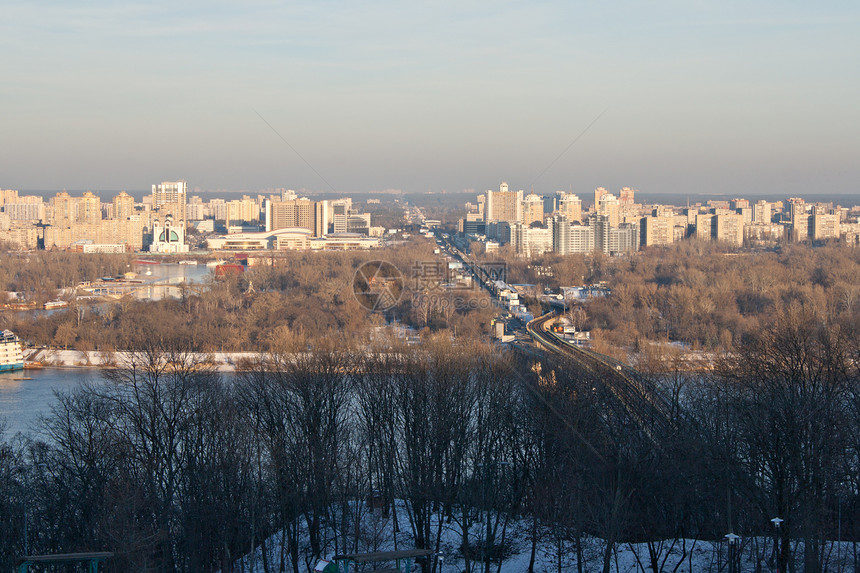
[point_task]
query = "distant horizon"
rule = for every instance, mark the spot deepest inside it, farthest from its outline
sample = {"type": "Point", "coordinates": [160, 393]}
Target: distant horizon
{"type": "Point", "coordinates": [666, 198]}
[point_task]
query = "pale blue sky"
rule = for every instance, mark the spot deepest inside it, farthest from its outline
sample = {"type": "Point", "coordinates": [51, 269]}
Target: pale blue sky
{"type": "Point", "coordinates": [699, 96]}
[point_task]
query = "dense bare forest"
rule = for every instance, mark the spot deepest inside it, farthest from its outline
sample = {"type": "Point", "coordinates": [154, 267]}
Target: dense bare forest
{"type": "Point", "coordinates": [701, 294]}
{"type": "Point", "coordinates": [40, 275]}
{"type": "Point", "coordinates": [693, 293]}
{"type": "Point", "coordinates": [302, 294]}
{"type": "Point", "coordinates": [177, 469]}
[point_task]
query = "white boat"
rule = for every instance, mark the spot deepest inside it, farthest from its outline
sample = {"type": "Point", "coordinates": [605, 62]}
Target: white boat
{"type": "Point", "coordinates": [11, 355]}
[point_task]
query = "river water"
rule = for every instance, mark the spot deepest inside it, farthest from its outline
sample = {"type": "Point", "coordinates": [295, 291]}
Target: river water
{"type": "Point", "coordinates": [26, 395]}
{"type": "Point", "coordinates": [165, 277]}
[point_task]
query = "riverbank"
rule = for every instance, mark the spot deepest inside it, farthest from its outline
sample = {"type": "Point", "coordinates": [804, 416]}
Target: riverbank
{"type": "Point", "coordinates": [53, 358]}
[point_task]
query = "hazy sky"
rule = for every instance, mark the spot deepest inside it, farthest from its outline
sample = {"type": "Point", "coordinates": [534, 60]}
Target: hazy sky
{"type": "Point", "coordinates": [718, 96]}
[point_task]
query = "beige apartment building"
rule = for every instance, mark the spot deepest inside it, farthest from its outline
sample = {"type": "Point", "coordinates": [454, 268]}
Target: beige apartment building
{"type": "Point", "coordinates": [532, 209]}
{"type": "Point", "coordinates": [609, 207]}
{"type": "Point", "coordinates": [704, 224]}
{"type": "Point", "coordinates": [242, 210]}
{"type": "Point", "coordinates": [290, 213]}
{"type": "Point", "coordinates": [729, 228]}
{"type": "Point", "coordinates": [123, 206]}
{"type": "Point", "coordinates": [63, 210]}
{"type": "Point", "coordinates": [825, 226]}
{"type": "Point", "coordinates": [762, 212]}
{"type": "Point", "coordinates": [570, 206]}
{"type": "Point", "coordinates": [170, 198]}
{"type": "Point", "coordinates": [110, 231]}
{"type": "Point", "coordinates": [25, 238]}
{"type": "Point", "coordinates": [657, 231]}
{"type": "Point", "coordinates": [503, 205]}
{"type": "Point", "coordinates": [799, 218]}
{"type": "Point", "coordinates": [627, 197]}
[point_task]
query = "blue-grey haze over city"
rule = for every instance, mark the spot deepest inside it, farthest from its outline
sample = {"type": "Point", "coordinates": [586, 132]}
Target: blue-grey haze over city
{"type": "Point", "coordinates": [696, 97]}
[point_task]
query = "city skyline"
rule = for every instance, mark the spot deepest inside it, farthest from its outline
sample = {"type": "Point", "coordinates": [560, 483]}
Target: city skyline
{"type": "Point", "coordinates": [730, 99]}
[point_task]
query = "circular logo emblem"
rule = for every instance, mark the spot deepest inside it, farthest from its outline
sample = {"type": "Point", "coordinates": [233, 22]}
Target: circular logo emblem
{"type": "Point", "coordinates": [377, 285]}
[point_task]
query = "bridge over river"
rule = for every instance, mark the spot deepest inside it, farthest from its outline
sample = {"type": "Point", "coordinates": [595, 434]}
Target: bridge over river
{"type": "Point", "coordinates": [634, 395]}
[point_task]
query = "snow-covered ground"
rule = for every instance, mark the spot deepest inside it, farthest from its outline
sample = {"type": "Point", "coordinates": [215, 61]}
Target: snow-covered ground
{"type": "Point", "coordinates": [553, 555]}
{"type": "Point", "coordinates": [221, 361]}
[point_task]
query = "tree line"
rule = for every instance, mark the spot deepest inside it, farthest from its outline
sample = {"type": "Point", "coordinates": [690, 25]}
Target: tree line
{"type": "Point", "coordinates": [318, 444]}
{"type": "Point", "coordinates": [40, 276]}
{"type": "Point", "coordinates": [703, 294]}
{"type": "Point", "coordinates": [696, 293]}
{"type": "Point", "coordinates": [301, 294]}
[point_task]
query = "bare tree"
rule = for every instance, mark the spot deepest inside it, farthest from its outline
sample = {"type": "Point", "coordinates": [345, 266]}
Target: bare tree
{"type": "Point", "coordinates": [789, 386]}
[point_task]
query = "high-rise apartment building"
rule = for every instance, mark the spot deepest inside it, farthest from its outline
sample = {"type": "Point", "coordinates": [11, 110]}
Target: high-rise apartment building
{"type": "Point", "coordinates": [626, 197]}
{"type": "Point", "coordinates": [169, 198]}
{"type": "Point", "coordinates": [217, 209]}
{"type": "Point", "coordinates": [8, 196]}
{"type": "Point", "coordinates": [704, 226]}
{"type": "Point", "coordinates": [729, 229]}
{"type": "Point", "coordinates": [571, 237]}
{"type": "Point", "coordinates": [609, 207]}
{"type": "Point", "coordinates": [128, 232]}
{"type": "Point", "coordinates": [532, 209]}
{"type": "Point", "coordinates": [20, 237]}
{"type": "Point", "coordinates": [339, 216]}
{"type": "Point", "coordinates": [624, 238]}
{"type": "Point", "coordinates": [825, 226]}
{"type": "Point", "coordinates": [88, 209]}
{"type": "Point", "coordinates": [30, 212]}
{"type": "Point", "coordinates": [322, 218]}
{"type": "Point", "coordinates": [612, 240]}
{"type": "Point", "coordinates": [123, 206]}
{"type": "Point", "coordinates": [799, 218]}
{"type": "Point", "coordinates": [530, 242]}
{"type": "Point", "coordinates": [244, 210]}
{"type": "Point", "coordinates": [63, 210]}
{"type": "Point", "coordinates": [503, 205]}
{"type": "Point", "coordinates": [762, 212]}
{"type": "Point", "coordinates": [598, 235]}
{"type": "Point", "coordinates": [195, 209]}
{"type": "Point", "coordinates": [290, 213]}
{"type": "Point", "coordinates": [657, 231]}
{"type": "Point", "coordinates": [570, 206]}
{"type": "Point", "coordinates": [599, 193]}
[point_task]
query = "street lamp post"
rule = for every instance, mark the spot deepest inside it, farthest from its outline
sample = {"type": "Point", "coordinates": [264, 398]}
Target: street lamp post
{"type": "Point", "coordinates": [777, 521]}
{"type": "Point", "coordinates": [732, 539]}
